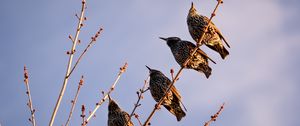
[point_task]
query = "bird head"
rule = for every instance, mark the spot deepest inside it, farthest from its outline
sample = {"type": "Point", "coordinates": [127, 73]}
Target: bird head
{"type": "Point", "coordinates": [112, 105]}
{"type": "Point", "coordinates": [171, 40]}
{"type": "Point", "coordinates": [193, 10]}
{"type": "Point", "coordinates": [153, 71]}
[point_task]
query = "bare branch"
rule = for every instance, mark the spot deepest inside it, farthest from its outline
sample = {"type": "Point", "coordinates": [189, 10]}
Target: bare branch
{"type": "Point", "coordinates": [140, 96]}
{"type": "Point", "coordinates": [105, 96]}
{"type": "Point", "coordinates": [93, 40]}
{"type": "Point", "coordinates": [71, 54]}
{"type": "Point", "coordinates": [137, 117]}
{"type": "Point", "coordinates": [83, 115]}
{"type": "Point", "coordinates": [215, 116]}
{"type": "Point", "coordinates": [156, 107]}
{"type": "Point", "coordinates": [172, 73]}
{"type": "Point", "coordinates": [29, 104]}
{"type": "Point", "coordinates": [71, 38]}
{"type": "Point", "coordinates": [73, 102]}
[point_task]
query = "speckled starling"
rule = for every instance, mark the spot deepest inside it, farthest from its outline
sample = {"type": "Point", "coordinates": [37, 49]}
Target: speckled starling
{"type": "Point", "coordinates": [117, 117]}
{"type": "Point", "coordinates": [212, 39]}
{"type": "Point", "coordinates": [159, 83]}
{"type": "Point", "coordinates": [182, 49]}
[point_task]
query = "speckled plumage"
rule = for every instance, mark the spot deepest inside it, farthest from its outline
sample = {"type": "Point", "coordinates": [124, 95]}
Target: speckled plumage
{"type": "Point", "coordinates": [181, 51]}
{"type": "Point", "coordinates": [212, 39]}
{"type": "Point", "coordinates": [159, 83]}
{"type": "Point", "coordinates": [116, 116]}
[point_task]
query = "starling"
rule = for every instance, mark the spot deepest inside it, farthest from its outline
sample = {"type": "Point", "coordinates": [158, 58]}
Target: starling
{"type": "Point", "coordinates": [117, 117]}
{"type": "Point", "coordinates": [159, 83]}
{"type": "Point", "coordinates": [213, 37]}
{"type": "Point", "coordinates": [182, 49]}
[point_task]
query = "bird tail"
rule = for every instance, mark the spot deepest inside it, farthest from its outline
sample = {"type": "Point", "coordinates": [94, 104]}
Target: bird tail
{"type": "Point", "coordinates": [224, 52]}
{"type": "Point", "coordinates": [176, 110]}
{"type": "Point", "coordinates": [179, 113]}
{"type": "Point", "coordinates": [220, 49]}
{"type": "Point", "coordinates": [205, 69]}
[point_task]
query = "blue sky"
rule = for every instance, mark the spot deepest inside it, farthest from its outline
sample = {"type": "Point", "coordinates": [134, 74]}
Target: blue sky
{"type": "Point", "coordinates": [259, 81]}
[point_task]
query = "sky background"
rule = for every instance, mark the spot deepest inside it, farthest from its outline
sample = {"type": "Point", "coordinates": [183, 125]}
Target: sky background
{"type": "Point", "coordinates": [259, 81]}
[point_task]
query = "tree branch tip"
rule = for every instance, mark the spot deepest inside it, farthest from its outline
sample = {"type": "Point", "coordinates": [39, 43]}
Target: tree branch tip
{"type": "Point", "coordinates": [81, 81]}
{"type": "Point", "coordinates": [222, 106]}
{"type": "Point", "coordinates": [123, 69]}
{"type": "Point", "coordinates": [25, 74]}
{"type": "Point", "coordinates": [136, 115]}
{"type": "Point", "coordinates": [70, 37]}
{"type": "Point", "coordinates": [82, 108]}
{"type": "Point", "coordinates": [171, 70]}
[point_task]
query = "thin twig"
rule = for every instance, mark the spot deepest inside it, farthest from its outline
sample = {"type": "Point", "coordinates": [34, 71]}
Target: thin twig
{"type": "Point", "coordinates": [184, 65]}
{"type": "Point", "coordinates": [83, 115]}
{"type": "Point", "coordinates": [172, 73]}
{"type": "Point", "coordinates": [140, 96]}
{"type": "Point", "coordinates": [137, 117]}
{"type": "Point", "coordinates": [93, 40]}
{"type": "Point", "coordinates": [105, 96]}
{"type": "Point", "coordinates": [215, 116]}
{"type": "Point", "coordinates": [71, 54]}
{"type": "Point", "coordinates": [74, 101]}
{"type": "Point", "coordinates": [29, 104]}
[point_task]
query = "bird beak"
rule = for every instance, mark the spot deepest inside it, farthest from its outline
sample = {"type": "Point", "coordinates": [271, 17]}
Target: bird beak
{"type": "Point", "coordinates": [148, 68]}
{"type": "Point", "coordinates": [109, 98]}
{"type": "Point", "coordinates": [163, 38]}
{"type": "Point", "coordinates": [192, 5]}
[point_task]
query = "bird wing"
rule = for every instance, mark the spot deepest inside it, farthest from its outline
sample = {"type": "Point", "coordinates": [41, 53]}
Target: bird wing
{"type": "Point", "coordinates": [174, 90]}
{"type": "Point", "coordinates": [191, 46]}
{"type": "Point", "coordinates": [176, 95]}
{"type": "Point", "coordinates": [206, 56]}
{"type": "Point", "coordinates": [220, 34]}
{"type": "Point", "coordinates": [206, 19]}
